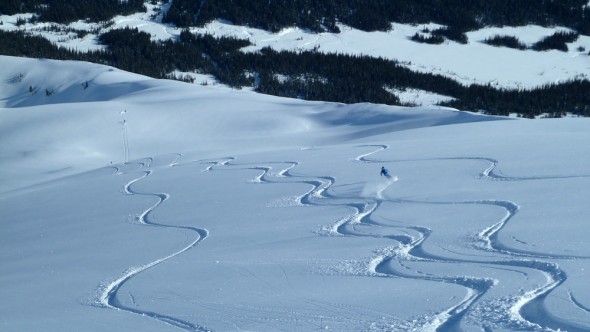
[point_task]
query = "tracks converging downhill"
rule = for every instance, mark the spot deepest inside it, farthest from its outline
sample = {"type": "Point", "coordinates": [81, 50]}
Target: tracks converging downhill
{"type": "Point", "coordinates": [524, 310]}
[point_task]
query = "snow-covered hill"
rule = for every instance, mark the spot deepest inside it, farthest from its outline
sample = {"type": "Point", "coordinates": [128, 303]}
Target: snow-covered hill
{"type": "Point", "coordinates": [239, 211]}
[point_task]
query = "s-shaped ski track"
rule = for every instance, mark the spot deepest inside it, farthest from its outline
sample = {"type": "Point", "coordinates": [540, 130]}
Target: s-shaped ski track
{"type": "Point", "coordinates": [108, 295]}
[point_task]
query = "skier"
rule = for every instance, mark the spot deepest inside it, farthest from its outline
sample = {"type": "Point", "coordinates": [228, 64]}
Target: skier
{"type": "Point", "coordinates": [384, 172]}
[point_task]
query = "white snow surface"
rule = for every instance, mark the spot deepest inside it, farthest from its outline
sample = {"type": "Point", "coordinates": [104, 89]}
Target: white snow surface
{"type": "Point", "coordinates": [134, 204]}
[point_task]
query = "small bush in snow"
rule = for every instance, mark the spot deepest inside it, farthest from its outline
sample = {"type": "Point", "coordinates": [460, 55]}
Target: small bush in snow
{"type": "Point", "coordinates": [557, 41]}
{"type": "Point", "coordinates": [435, 39]}
{"type": "Point", "coordinates": [506, 41]}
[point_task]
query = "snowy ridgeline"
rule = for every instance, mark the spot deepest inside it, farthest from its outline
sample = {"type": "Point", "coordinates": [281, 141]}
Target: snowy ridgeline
{"type": "Point", "coordinates": [238, 211]}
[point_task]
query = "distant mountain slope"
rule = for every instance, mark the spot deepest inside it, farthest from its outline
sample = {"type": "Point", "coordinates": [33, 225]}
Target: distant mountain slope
{"type": "Point", "coordinates": [526, 70]}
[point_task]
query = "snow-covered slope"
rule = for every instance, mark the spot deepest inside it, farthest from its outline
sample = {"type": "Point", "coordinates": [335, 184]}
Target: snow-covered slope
{"type": "Point", "coordinates": [102, 105]}
{"type": "Point", "coordinates": [238, 211]}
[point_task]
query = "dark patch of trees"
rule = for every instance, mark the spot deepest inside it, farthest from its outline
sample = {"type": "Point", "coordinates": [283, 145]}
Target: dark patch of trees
{"type": "Point", "coordinates": [67, 11]}
{"type": "Point", "coordinates": [439, 35]}
{"type": "Point", "coordinates": [269, 15]}
{"type": "Point", "coordinates": [315, 76]}
{"type": "Point", "coordinates": [431, 39]}
{"type": "Point", "coordinates": [506, 41]}
{"type": "Point", "coordinates": [307, 75]}
{"type": "Point", "coordinates": [11, 7]}
{"type": "Point", "coordinates": [557, 41]}
{"type": "Point", "coordinates": [451, 33]}
{"type": "Point", "coordinates": [23, 45]}
{"type": "Point", "coordinates": [371, 15]}
{"type": "Point", "coordinates": [132, 50]}
{"type": "Point", "coordinates": [553, 99]}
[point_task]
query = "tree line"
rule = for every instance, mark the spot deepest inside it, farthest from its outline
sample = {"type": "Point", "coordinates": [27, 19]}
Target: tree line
{"type": "Point", "coordinates": [557, 41]}
{"type": "Point", "coordinates": [307, 75]}
{"type": "Point", "coordinates": [67, 11]}
{"type": "Point", "coordinates": [318, 16]}
{"type": "Point", "coordinates": [371, 15]}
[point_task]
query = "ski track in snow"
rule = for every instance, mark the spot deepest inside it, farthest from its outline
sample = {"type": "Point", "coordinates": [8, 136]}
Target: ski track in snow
{"type": "Point", "coordinates": [525, 310]}
{"type": "Point", "coordinates": [577, 303]}
{"type": "Point", "coordinates": [521, 311]}
{"type": "Point", "coordinates": [489, 173]}
{"type": "Point", "coordinates": [108, 297]}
